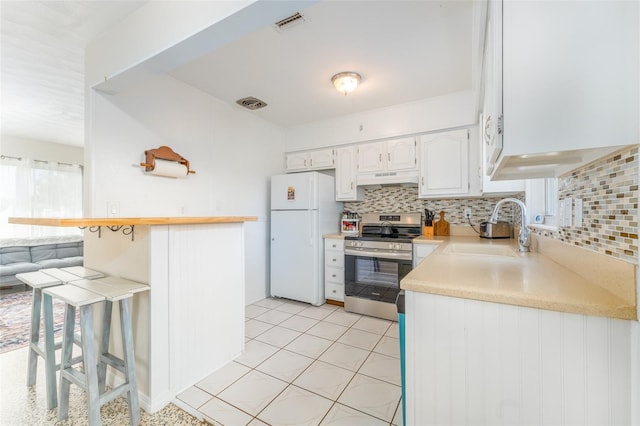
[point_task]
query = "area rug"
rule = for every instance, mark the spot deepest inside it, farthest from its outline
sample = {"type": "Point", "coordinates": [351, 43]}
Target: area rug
{"type": "Point", "coordinates": [15, 318]}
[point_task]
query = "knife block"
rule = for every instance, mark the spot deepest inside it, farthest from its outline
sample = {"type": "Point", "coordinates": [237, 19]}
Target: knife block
{"type": "Point", "coordinates": [427, 231]}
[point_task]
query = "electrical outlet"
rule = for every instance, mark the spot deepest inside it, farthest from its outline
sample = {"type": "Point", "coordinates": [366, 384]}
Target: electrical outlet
{"type": "Point", "coordinates": [113, 207]}
{"type": "Point", "coordinates": [467, 213]}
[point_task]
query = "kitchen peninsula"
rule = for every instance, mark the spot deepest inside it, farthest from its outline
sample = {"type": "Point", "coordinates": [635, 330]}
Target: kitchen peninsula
{"type": "Point", "coordinates": [495, 336]}
{"type": "Point", "coordinates": [192, 321]}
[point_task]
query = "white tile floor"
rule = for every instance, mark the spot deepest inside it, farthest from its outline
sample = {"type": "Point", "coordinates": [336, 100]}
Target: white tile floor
{"type": "Point", "coordinates": [306, 365]}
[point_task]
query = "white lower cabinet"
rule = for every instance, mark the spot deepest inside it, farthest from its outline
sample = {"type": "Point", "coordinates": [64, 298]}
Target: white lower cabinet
{"type": "Point", "coordinates": [473, 362]}
{"type": "Point", "coordinates": [334, 269]}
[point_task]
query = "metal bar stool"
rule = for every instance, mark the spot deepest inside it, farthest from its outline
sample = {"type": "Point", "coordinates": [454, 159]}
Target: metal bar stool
{"type": "Point", "coordinates": [39, 281]}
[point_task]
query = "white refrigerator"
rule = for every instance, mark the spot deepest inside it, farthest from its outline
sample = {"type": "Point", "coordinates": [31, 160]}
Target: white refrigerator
{"type": "Point", "coordinates": [303, 208]}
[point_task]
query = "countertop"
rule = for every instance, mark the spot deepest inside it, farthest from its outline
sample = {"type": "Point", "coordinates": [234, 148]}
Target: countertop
{"type": "Point", "coordinates": [527, 279]}
{"type": "Point", "coordinates": [124, 221]}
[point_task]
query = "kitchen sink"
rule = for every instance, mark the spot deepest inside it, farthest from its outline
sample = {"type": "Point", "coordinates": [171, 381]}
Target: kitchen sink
{"type": "Point", "coordinates": [480, 249]}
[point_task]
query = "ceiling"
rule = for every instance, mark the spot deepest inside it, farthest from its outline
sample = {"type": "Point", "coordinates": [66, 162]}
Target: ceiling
{"type": "Point", "coordinates": [42, 64]}
{"type": "Point", "coordinates": [404, 50]}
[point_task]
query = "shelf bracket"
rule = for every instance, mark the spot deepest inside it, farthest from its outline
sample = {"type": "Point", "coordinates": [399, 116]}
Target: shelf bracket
{"type": "Point", "coordinates": [126, 230]}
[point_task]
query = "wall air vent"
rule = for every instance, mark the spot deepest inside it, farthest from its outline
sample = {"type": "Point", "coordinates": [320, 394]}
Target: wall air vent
{"type": "Point", "coordinates": [251, 103]}
{"type": "Point", "coordinates": [289, 21]}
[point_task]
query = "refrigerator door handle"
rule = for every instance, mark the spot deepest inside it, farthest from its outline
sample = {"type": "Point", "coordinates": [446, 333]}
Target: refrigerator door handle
{"type": "Point", "coordinates": [310, 229]}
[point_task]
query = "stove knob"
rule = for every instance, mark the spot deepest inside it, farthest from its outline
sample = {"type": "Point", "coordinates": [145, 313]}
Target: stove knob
{"type": "Point", "coordinates": [391, 246]}
{"type": "Point", "coordinates": [359, 243]}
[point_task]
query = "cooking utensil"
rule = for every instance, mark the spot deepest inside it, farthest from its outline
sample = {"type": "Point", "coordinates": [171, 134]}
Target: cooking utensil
{"type": "Point", "coordinates": [442, 226]}
{"type": "Point", "coordinates": [428, 217]}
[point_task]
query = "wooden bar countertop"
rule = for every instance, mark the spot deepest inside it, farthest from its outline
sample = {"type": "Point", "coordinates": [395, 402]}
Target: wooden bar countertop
{"type": "Point", "coordinates": [128, 221]}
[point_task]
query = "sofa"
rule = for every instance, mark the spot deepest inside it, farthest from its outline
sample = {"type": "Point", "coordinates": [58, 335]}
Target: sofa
{"type": "Point", "coordinates": [35, 254]}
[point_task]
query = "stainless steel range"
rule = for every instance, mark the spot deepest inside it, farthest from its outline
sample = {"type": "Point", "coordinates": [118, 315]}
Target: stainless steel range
{"type": "Point", "coordinates": [376, 261]}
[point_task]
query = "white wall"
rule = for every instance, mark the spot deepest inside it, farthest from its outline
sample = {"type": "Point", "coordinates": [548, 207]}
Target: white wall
{"type": "Point", "coordinates": [40, 150]}
{"type": "Point", "coordinates": [232, 152]}
{"type": "Point", "coordinates": [442, 112]}
{"type": "Point", "coordinates": [162, 35]}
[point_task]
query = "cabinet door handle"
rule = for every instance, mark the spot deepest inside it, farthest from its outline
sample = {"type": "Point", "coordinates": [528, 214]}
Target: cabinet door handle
{"type": "Point", "coordinates": [422, 181]}
{"type": "Point", "coordinates": [389, 156]}
{"type": "Point", "coordinates": [311, 163]}
{"type": "Point", "coordinates": [334, 259]}
{"type": "Point", "coordinates": [488, 136]}
{"type": "Point", "coordinates": [351, 185]}
{"type": "Point", "coordinates": [305, 163]}
{"type": "Point", "coordinates": [380, 158]}
{"type": "Point", "coordinates": [333, 245]}
{"type": "Point", "coordinates": [334, 275]}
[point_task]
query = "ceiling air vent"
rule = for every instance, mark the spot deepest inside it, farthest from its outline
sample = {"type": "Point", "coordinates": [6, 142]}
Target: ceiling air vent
{"type": "Point", "coordinates": [289, 21]}
{"type": "Point", "coordinates": [251, 103]}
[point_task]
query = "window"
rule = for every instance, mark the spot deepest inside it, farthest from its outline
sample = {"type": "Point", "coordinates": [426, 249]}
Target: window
{"type": "Point", "coordinates": [33, 188]}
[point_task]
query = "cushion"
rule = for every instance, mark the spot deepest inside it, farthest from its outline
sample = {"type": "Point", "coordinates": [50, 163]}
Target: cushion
{"type": "Point", "coordinates": [68, 250]}
{"type": "Point", "coordinates": [45, 252]}
{"type": "Point", "coordinates": [14, 255]}
{"type": "Point", "coordinates": [52, 263]}
{"type": "Point", "coordinates": [18, 268]}
{"type": "Point", "coordinates": [74, 261]}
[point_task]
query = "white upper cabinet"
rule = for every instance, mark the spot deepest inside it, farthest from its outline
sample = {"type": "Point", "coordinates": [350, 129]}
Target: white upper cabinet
{"type": "Point", "coordinates": [444, 164]}
{"type": "Point", "coordinates": [310, 160]}
{"type": "Point", "coordinates": [401, 154]}
{"type": "Point", "coordinates": [346, 175]}
{"type": "Point", "coordinates": [569, 84]}
{"type": "Point", "coordinates": [370, 157]}
{"type": "Point", "coordinates": [394, 154]}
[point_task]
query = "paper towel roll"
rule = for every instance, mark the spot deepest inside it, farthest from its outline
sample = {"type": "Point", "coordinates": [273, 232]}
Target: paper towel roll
{"type": "Point", "coordinates": [171, 169]}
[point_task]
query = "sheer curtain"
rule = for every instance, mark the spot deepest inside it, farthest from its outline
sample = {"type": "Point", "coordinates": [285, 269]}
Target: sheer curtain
{"type": "Point", "coordinates": [34, 188]}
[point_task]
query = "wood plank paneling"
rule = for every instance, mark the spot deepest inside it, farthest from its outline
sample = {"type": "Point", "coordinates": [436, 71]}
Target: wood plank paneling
{"type": "Point", "coordinates": [206, 304]}
{"type": "Point", "coordinates": [473, 362]}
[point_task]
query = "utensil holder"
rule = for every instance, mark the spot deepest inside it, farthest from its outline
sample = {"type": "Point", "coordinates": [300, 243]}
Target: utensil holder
{"type": "Point", "coordinates": [427, 231]}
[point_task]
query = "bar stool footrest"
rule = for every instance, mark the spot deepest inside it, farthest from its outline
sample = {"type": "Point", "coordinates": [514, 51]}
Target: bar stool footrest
{"type": "Point", "coordinates": [114, 393]}
{"type": "Point", "coordinates": [113, 361]}
{"type": "Point", "coordinates": [74, 361]}
{"type": "Point", "coordinates": [75, 377]}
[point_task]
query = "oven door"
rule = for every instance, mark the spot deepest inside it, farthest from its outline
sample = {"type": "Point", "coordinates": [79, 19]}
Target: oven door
{"type": "Point", "coordinates": [373, 277]}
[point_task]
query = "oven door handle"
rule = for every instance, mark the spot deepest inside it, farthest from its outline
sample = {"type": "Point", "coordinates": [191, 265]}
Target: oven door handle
{"type": "Point", "coordinates": [378, 254]}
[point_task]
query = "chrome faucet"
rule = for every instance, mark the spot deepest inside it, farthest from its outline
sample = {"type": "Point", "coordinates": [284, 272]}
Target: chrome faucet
{"type": "Point", "coordinates": [523, 236]}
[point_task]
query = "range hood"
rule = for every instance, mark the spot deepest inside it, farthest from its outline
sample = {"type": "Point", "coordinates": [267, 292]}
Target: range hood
{"type": "Point", "coordinates": [403, 178]}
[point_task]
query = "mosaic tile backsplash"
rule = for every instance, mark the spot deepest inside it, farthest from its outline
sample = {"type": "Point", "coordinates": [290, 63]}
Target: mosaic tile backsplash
{"type": "Point", "coordinates": [405, 199]}
{"type": "Point", "coordinates": [608, 188]}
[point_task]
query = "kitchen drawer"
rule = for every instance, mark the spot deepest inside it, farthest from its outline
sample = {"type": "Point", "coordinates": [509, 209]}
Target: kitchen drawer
{"type": "Point", "coordinates": [334, 275]}
{"type": "Point", "coordinates": [334, 244]}
{"type": "Point", "coordinates": [334, 259]}
{"type": "Point", "coordinates": [334, 292]}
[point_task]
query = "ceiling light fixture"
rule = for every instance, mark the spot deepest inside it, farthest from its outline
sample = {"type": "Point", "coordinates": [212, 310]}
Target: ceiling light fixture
{"type": "Point", "coordinates": [346, 82]}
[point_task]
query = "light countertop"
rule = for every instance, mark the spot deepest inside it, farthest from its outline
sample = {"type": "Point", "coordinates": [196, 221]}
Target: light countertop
{"type": "Point", "coordinates": [124, 221]}
{"type": "Point", "coordinates": [337, 235]}
{"type": "Point", "coordinates": [527, 279]}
